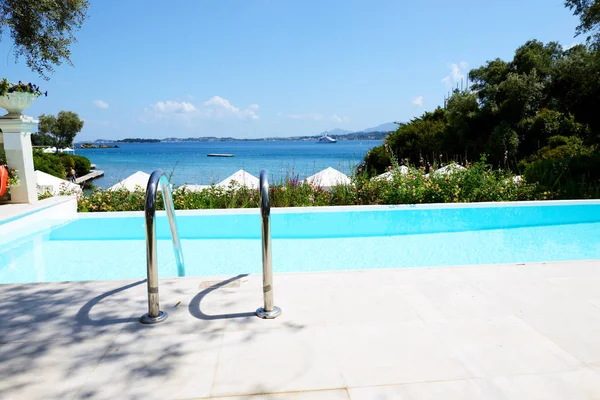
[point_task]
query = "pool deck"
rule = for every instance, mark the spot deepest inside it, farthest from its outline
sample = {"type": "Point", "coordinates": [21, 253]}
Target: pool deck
{"type": "Point", "coordinates": [495, 332]}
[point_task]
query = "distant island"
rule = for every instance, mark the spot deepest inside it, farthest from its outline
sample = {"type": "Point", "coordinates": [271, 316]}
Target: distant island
{"type": "Point", "coordinates": [339, 137]}
{"type": "Point", "coordinates": [97, 146]}
{"type": "Point", "coordinates": [347, 136]}
{"type": "Point", "coordinates": [138, 140]}
{"type": "Point", "coordinates": [377, 133]}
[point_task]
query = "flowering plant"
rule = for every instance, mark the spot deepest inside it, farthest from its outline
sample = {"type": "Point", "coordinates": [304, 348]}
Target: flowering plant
{"type": "Point", "coordinates": [13, 179]}
{"type": "Point", "coordinates": [6, 87]}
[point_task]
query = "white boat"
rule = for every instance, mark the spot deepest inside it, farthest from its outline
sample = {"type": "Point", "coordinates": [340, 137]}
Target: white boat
{"type": "Point", "coordinates": [326, 139]}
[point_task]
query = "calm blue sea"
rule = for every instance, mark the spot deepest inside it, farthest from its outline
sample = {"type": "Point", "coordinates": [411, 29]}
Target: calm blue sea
{"type": "Point", "coordinates": [191, 165]}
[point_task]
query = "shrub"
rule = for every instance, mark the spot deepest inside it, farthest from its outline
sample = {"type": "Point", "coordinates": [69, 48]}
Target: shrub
{"type": "Point", "coordinates": [478, 183]}
{"type": "Point", "coordinates": [58, 164]}
{"type": "Point", "coordinates": [567, 178]}
{"type": "Point", "coordinates": [49, 163]}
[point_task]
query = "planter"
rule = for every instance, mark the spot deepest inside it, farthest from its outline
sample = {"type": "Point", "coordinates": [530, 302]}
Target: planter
{"type": "Point", "coordinates": [15, 103]}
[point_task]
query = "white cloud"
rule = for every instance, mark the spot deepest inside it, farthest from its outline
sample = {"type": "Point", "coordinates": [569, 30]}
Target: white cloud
{"type": "Point", "coordinates": [457, 72]}
{"type": "Point", "coordinates": [174, 107]}
{"type": "Point", "coordinates": [318, 117]}
{"type": "Point", "coordinates": [100, 104]}
{"type": "Point", "coordinates": [215, 107]}
{"type": "Point", "coordinates": [418, 101]}
{"type": "Point", "coordinates": [219, 107]}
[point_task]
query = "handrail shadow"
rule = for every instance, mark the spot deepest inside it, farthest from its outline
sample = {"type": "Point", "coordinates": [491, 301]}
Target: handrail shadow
{"type": "Point", "coordinates": [83, 315]}
{"type": "Point", "coordinates": [196, 311]}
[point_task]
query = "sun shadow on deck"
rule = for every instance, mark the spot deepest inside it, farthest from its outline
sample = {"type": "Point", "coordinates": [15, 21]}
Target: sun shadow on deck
{"type": "Point", "coordinates": [195, 304]}
{"type": "Point", "coordinates": [83, 315]}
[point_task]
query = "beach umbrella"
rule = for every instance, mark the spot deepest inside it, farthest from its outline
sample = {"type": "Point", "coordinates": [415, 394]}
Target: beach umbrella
{"type": "Point", "coordinates": [67, 150]}
{"type": "Point", "coordinates": [50, 150]}
{"type": "Point", "coordinates": [449, 169]}
{"type": "Point", "coordinates": [139, 179]}
{"type": "Point", "coordinates": [328, 178]}
{"type": "Point", "coordinates": [388, 176]}
{"type": "Point", "coordinates": [47, 183]}
{"type": "Point", "coordinates": [240, 178]}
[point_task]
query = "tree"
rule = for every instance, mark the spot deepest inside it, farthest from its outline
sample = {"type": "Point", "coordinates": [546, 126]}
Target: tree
{"type": "Point", "coordinates": [42, 139]}
{"type": "Point", "coordinates": [63, 128]}
{"type": "Point", "coordinates": [42, 30]}
{"type": "Point", "coordinates": [588, 12]}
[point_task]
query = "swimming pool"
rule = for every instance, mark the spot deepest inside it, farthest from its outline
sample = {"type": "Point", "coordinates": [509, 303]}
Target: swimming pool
{"type": "Point", "coordinates": [112, 245]}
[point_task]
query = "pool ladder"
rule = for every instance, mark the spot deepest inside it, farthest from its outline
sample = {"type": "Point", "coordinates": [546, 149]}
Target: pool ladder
{"type": "Point", "coordinates": [158, 178]}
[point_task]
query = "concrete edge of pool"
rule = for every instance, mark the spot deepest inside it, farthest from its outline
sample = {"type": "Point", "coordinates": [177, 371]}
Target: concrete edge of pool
{"type": "Point", "coordinates": [472, 332]}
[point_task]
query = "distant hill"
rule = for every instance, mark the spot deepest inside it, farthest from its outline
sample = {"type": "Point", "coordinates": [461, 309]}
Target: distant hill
{"type": "Point", "coordinates": [376, 133]}
{"type": "Point", "coordinates": [387, 127]}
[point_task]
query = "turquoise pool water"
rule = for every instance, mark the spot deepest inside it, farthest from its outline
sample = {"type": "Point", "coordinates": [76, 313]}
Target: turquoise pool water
{"type": "Point", "coordinates": [96, 247]}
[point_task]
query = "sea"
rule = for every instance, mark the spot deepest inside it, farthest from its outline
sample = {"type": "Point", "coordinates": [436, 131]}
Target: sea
{"type": "Point", "coordinates": [188, 162]}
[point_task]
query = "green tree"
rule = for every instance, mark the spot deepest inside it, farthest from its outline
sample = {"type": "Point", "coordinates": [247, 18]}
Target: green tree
{"type": "Point", "coordinates": [62, 128]}
{"type": "Point", "coordinates": [421, 139]}
{"type": "Point", "coordinates": [588, 12]}
{"type": "Point", "coordinates": [42, 30]}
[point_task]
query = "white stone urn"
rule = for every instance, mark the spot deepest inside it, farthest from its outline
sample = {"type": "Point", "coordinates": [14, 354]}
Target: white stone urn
{"type": "Point", "coordinates": [15, 103]}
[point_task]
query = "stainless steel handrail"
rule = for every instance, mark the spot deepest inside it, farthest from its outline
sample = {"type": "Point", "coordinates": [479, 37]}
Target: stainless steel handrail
{"type": "Point", "coordinates": [158, 177]}
{"type": "Point", "coordinates": [269, 311]}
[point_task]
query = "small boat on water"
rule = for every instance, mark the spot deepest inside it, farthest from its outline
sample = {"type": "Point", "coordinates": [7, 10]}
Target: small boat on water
{"type": "Point", "coordinates": [219, 155]}
{"type": "Point", "coordinates": [326, 139]}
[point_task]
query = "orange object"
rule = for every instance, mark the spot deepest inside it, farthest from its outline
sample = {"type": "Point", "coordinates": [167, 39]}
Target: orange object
{"type": "Point", "coordinates": [3, 179]}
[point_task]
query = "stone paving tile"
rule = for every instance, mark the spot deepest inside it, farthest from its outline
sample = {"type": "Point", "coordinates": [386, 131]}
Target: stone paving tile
{"type": "Point", "coordinates": [76, 310]}
{"type": "Point", "coordinates": [580, 385]}
{"type": "Point", "coordinates": [507, 331]}
{"type": "Point", "coordinates": [401, 353]}
{"type": "Point", "coordinates": [469, 389]}
{"type": "Point", "coordinates": [577, 332]}
{"type": "Point", "coordinates": [282, 360]}
{"type": "Point", "coordinates": [158, 367]}
{"type": "Point", "coordinates": [503, 346]}
{"type": "Point", "coordinates": [316, 395]}
{"type": "Point", "coordinates": [48, 369]}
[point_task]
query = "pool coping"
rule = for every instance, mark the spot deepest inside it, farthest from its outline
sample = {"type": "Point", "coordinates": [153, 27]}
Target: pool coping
{"type": "Point", "coordinates": [25, 210]}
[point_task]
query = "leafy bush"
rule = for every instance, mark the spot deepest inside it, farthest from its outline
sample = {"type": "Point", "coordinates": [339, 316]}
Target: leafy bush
{"type": "Point", "coordinates": [567, 178]}
{"type": "Point", "coordinates": [58, 164]}
{"type": "Point", "coordinates": [376, 161]}
{"type": "Point", "coordinates": [49, 163]}
{"type": "Point", "coordinates": [478, 183]}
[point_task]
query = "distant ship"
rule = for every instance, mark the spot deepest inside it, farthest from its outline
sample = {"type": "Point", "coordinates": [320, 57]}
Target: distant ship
{"type": "Point", "coordinates": [326, 139]}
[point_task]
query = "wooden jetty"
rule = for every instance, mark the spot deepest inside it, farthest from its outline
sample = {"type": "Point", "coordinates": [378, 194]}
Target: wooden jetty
{"type": "Point", "coordinates": [219, 155]}
{"type": "Point", "coordinates": [88, 177]}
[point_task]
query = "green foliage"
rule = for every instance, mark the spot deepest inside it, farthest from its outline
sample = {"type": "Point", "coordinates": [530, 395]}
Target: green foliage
{"type": "Point", "coordinates": [41, 139]}
{"type": "Point", "coordinates": [13, 179]}
{"type": "Point", "coordinates": [567, 178]}
{"type": "Point", "coordinates": [588, 12]}
{"type": "Point", "coordinates": [377, 160]}
{"type": "Point", "coordinates": [62, 128]}
{"type": "Point", "coordinates": [542, 104]}
{"type": "Point", "coordinates": [420, 139]}
{"type": "Point", "coordinates": [59, 163]}
{"type": "Point", "coordinates": [478, 183]}
{"type": "Point", "coordinates": [49, 163]}
{"type": "Point", "coordinates": [42, 30]}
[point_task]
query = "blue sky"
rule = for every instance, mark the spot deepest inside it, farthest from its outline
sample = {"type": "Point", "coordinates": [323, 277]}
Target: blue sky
{"type": "Point", "coordinates": [262, 68]}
